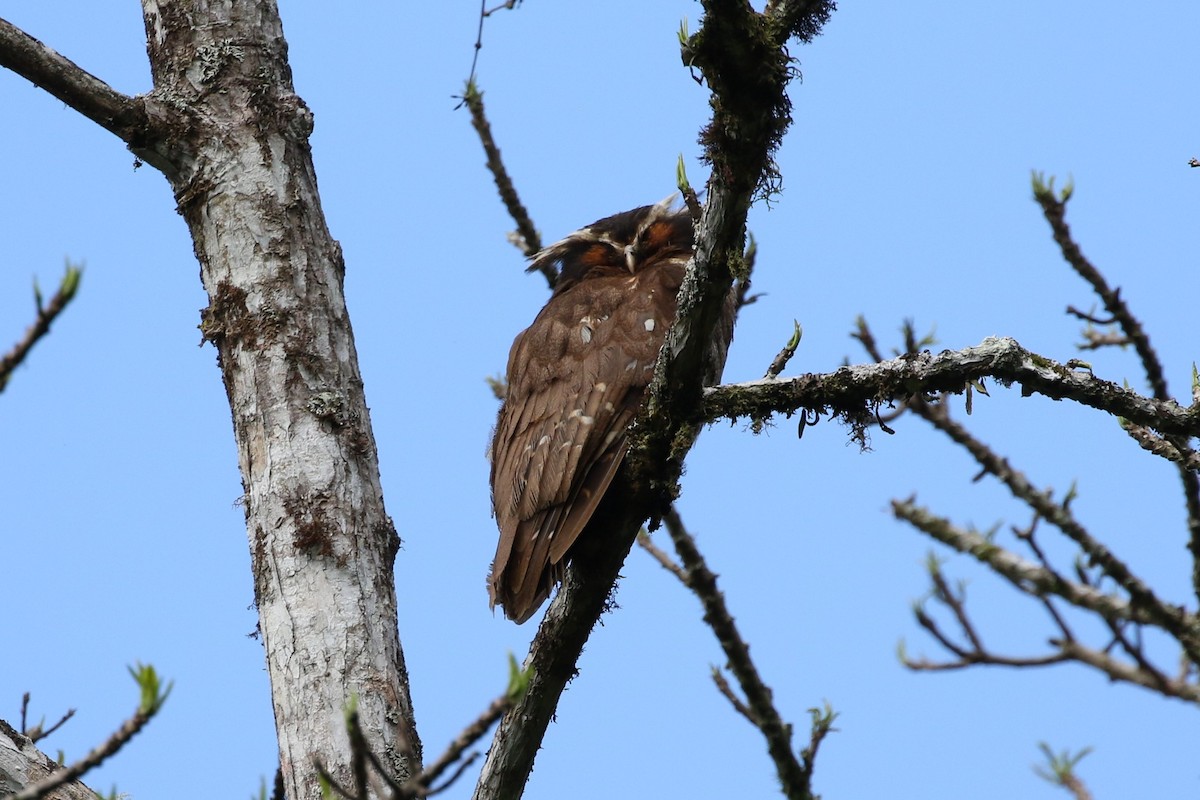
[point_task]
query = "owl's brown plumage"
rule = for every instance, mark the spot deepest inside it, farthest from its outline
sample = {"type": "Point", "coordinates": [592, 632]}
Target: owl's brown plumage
{"type": "Point", "coordinates": [576, 378]}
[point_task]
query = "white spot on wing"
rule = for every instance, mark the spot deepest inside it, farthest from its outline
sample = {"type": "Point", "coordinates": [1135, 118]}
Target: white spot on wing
{"type": "Point", "coordinates": [649, 324]}
{"type": "Point", "coordinates": [578, 414]}
{"type": "Point", "coordinates": [585, 333]}
{"type": "Point", "coordinates": [601, 387]}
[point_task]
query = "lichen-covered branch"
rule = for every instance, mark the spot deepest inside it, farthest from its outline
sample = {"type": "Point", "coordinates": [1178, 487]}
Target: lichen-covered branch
{"type": "Point", "coordinates": [1041, 581]}
{"type": "Point", "coordinates": [856, 392]}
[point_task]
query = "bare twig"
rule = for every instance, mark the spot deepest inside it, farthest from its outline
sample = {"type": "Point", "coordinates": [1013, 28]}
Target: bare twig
{"type": "Point", "coordinates": [1036, 580]}
{"type": "Point", "coordinates": [484, 13]}
{"type": "Point", "coordinates": [369, 772]}
{"type": "Point", "coordinates": [152, 697]}
{"type": "Point", "coordinates": [37, 732]}
{"type": "Point", "coordinates": [760, 705]}
{"type": "Point", "coordinates": [1142, 597]}
{"type": "Point", "coordinates": [420, 786]}
{"type": "Point", "coordinates": [528, 239]}
{"type": "Point", "coordinates": [1153, 443]}
{"type": "Point", "coordinates": [1040, 582]}
{"type": "Point", "coordinates": [46, 314]}
{"type": "Point", "coordinates": [660, 555]}
{"type": "Point", "coordinates": [727, 692]}
{"type": "Point", "coordinates": [454, 776]}
{"type": "Point", "coordinates": [1054, 207]}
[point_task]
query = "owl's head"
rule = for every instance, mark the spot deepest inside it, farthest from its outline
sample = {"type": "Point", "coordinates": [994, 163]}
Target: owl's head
{"type": "Point", "coordinates": [624, 243]}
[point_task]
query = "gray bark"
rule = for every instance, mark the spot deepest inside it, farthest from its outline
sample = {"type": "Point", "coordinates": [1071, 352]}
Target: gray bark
{"type": "Point", "coordinates": [322, 544]}
{"type": "Point", "coordinates": [225, 127]}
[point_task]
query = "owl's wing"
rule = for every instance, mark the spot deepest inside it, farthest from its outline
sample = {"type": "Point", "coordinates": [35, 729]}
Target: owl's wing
{"type": "Point", "coordinates": [576, 379]}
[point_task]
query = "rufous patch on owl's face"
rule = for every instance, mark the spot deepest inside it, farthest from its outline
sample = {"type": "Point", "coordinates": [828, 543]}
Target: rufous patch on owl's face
{"type": "Point", "coordinates": [661, 234]}
{"type": "Point", "coordinates": [598, 255]}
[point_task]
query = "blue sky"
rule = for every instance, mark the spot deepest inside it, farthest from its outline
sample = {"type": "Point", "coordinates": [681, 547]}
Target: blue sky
{"type": "Point", "coordinates": [906, 195]}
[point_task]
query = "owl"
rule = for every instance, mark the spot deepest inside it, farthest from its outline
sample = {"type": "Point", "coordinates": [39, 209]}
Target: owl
{"type": "Point", "coordinates": [576, 378]}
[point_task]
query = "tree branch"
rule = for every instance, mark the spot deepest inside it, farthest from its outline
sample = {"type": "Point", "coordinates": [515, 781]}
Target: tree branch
{"type": "Point", "coordinates": [1054, 207]}
{"type": "Point", "coordinates": [125, 116]}
{"type": "Point", "coordinates": [1141, 595]}
{"type": "Point", "coordinates": [760, 704]}
{"type": "Point", "coordinates": [423, 783]}
{"type": "Point", "coordinates": [748, 72]}
{"type": "Point", "coordinates": [854, 392]}
{"type": "Point", "coordinates": [527, 238]}
{"type": "Point", "coordinates": [1040, 582]}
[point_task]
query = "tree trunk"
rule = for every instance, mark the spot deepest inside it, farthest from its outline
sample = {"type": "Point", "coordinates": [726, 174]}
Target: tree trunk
{"type": "Point", "coordinates": [235, 143]}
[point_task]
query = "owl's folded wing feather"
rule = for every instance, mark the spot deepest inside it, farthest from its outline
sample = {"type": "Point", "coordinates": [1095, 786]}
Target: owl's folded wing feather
{"type": "Point", "coordinates": [576, 379]}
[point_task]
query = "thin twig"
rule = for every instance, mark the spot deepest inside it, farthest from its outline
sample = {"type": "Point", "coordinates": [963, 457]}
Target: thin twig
{"type": "Point", "coordinates": [727, 692]}
{"type": "Point", "coordinates": [1170, 618]}
{"type": "Point", "coordinates": [1038, 581]}
{"type": "Point", "coordinates": [785, 355]}
{"type": "Point", "coordinates": [529, 240]}
{"type": "Point", "coordinates": [115, 742]}
{"type": "Point", "coordinates": [1163, 448]}
{"type": "Point", "coordinates": [760, 705]}
{"type": "Point", "coordinates": [661, 556]}
{"type": "Point", "coordinates": [46, 314]}
{"type": "Point", "coordinates": [1054, 208]}
{"type": "Point", "coordinates": [454, 751]}
{"type": "Point", "coordinates": [454, 776]}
